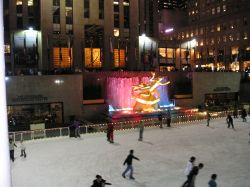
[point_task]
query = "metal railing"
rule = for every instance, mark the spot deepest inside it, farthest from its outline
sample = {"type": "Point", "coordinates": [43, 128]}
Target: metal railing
{"type": "Point", "coordinates": [124, 125]}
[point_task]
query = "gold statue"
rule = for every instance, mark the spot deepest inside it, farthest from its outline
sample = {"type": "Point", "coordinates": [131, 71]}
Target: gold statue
{"type": "Point", "coordinates": [146, 95]}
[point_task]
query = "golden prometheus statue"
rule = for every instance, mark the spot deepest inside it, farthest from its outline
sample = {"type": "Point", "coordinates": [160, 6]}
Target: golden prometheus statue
{"type": "Point", "coordinates": [146, 95]}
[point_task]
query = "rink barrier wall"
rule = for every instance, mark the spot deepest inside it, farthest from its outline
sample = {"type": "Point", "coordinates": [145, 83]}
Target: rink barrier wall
{"type": "Point", "coordinates": [183, 120]}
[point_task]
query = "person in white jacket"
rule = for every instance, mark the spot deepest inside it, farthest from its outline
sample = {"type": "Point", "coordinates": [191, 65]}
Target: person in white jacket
{"type": "Point", "coordinates": [23, 148]}
{"type": "Point", "coordinates": [189, 167]}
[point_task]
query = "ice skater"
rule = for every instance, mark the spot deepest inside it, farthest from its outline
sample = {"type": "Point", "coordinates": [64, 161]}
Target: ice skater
{"type": "Point", "coordinates": [110, 133]}
{"type": "Point", "coordinates": [188, 169]}
{"type": "Point", "coordinates": [230, 121]}
{"type": "Point", "coordinates": [212, 182]}
{"type": "Point", "coordinates": [100, 182]}
{"type": "Point", "coordinates": [168, 118]}
{"type": "Point", "coordinates": [192, 175]}
{"type": "Point", "coordinates": [23, 149]}
{"type": "Point", "coordinates": [160, 119]}
{"type": "Point", "coordinates": [141, 130]}
{"type": "Point", "coordinates": [12, 146]}
{"type": "Point", "coordinates": [129, 161]}
{"type": "Point", "coordinates": [76, 125]}
{"type": "Point", "coordinates": [208, 118]}
{"type": "Point", "coordinates": [244, 115]}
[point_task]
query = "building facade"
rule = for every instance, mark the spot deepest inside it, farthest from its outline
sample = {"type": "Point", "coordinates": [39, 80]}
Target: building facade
{"type": "Point", "coordinates": [75, 35]}
{"type": "Point", "coordinates": [215, 39]}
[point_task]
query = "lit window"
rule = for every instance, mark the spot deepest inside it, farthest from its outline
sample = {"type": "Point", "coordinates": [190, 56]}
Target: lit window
{"type": "Point", "coordinates": [238, 36]}
{"type": "Point", "coordinates": [191, 34]}
{"type": "Point", "coordinates": [201, 43]}
{"type": "Point", "coordinates": [7, 49]}
{"type": "Point", "coordinates": [93, 58]}
{"type": "Point", "coordinates": [187, 35]}
{"type": "Point", "coordinates": [62, 57]}
{"type": "Point", "coordinates": [119, 58]}
{"type": "Point", "coordinates": [116, 32]}
{"type": "Point", "coordinates": [245, 37]}
{"type": "Point", "coordinates": [218, 39]}
{"type": "Point", "coordinates": [162, 52]}
{"type": "Point", "coordinates": [30, 3]}
{"type": "Point", "coordinates": [224, 7]}
{"type": "Point", "coordinates": [218, 9]}
{"type": "Point", "coordinates": [224, 38]}
{"type": "Point", "coordinates": [213, 11]}
{"type": "Point", "coordinates": [19, 2]}
{"type": "Point", "coordinates": [182, 35]}
{"type": "Point", "coordinates": [218, 27]}
{"type": "Point", "coordinates": [212, 41]}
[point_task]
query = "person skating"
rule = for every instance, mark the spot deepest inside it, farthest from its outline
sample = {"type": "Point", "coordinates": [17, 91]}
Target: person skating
{"type": "Point", "coordinates": [99, 182]}
{"type": "Point", "coordinates": [76, 124]}
{"type": "Point", "coordinates": [192, 175]}
{"type": "Point", "coordinates": [110, 132]}
{"type": "Point", "coordinates": [244, 115]}
{"type": "Point", "coordinates": [160, 119]}
{"type": "Point", "coordinates": [168, 118]}
{"type": "Point", "coordinates": [230, 121]}
{"type": "Point", "coordinates": [188, 169]}
{"type": "Point", "coordinates": [141, 129]}
{"type": "Point", "coordinates": [208, 118]}
{"type": "Point", "coordinates": [23, 149]}
{"type": "Point", "coordinates": [212, 182]}
{"type": "Point", "coordinates": [129, 161]}
{"type": "Point", "coordinates": [12, 146]}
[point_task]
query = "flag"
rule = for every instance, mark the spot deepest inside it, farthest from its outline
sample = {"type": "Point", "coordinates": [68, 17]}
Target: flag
{"type": "Point", "coordinates": [69, 48]}
{"type": "Point", "coordinates": [48, 50]}
{"type": "Point", "coordinates": [24, 44]}
{"type": "Point", "coordinates": [111, 45]}
{"type": "Point", "coordinates": [36, 49]}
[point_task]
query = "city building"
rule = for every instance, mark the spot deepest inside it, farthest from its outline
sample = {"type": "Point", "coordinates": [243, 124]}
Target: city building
{"type": "Point", "coordinates": [64, 36]}
{"type": "Point", "coordinates": [216, 38]}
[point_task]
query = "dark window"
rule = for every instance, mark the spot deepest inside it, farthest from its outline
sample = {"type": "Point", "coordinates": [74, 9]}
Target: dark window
{"type": "Point", "coordinates": [126, 14]}
{"type": "Point", "coordinates": [31, 10]}
{"type": "Point", "coordinates": [56, 19]}
{"type": "Point", "coordinates": [19, 22]}
{"type": "Point", "coordinates": [86, 8]}
{"type": "Point", "coordinates": [101, 9]}
{"type": "Point", "coordinates": [69, 20]}
{"type": "Point", "coordinates": [19, 9]}
{"type": "Point", "coordinates": [116, 14]}
{"type": "Point", "coordinates": [69, 3]}
{"type": "Point", "coordinates": [56, 2]}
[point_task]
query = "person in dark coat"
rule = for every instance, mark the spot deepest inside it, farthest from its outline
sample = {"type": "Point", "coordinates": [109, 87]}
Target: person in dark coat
{"type": "Point", "coordinates": [212, 182]}
{"type": "Point", "coordinates": [208, 118]}
{"type": "Point", "coordinates": [12, 146]}
{"type": "Point", "coordinates": [192, 175]}
{"type": "Point", "coordinates": [244, 115]}
{"type": "Point", "coordinates": [168, 118]}
{"type": "Point", "coordinates": [99, 182]}
{"type": "Point", "coordinates": [230, 121]}
{"type": "Point", "coordinates": [128, 161]}
{"type": "Point", "coordinates": [160, 119]}
{"type": "Point", "coordinates": [110, 132]}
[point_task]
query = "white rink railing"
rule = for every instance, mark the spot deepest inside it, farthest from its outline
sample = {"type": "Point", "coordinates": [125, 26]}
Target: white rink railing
{"type": "Point", "coordinates": [97, 128]}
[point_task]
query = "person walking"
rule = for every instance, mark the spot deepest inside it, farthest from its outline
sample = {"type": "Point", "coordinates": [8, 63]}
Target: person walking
{"type": "Point", "coordinates": [230, 121]}
{"type": "Point", "coordinates": [208, 118]}
{"type": "Point", "coordinates": [212, 182]}
{"type": "Point", "coordinates": [129, 161]}
{"type": "Point", "coordinates": [188, 169]}
{"type": "Point", "coordinates": [141, 130]}
{"type": "Point", "coordinates": [12, 146]}
{"type": "Point", "coordinates": [168, 118]}
{"type": "Point", "coordinates": [23, 148]}
{"type": "Point", "coordinates": [193, 174]}
{"type": "Point", "coordinates": [110, 132]}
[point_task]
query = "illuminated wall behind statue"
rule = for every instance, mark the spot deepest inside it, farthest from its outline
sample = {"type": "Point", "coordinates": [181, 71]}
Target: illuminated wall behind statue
{"type": "Point", "coordinates": [119, 91]}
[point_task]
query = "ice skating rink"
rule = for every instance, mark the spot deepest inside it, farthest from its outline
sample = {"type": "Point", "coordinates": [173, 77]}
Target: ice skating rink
{"type": "Point", "coordinates": [70, 162]}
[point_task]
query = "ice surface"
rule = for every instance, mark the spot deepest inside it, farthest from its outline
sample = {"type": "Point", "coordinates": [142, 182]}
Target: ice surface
{"type": "Point", "coordinates": [70, 162]}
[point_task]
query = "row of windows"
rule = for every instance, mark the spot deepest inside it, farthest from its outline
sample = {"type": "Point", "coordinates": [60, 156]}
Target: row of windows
{"type": "Point", "coordinates": [93, 58]}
